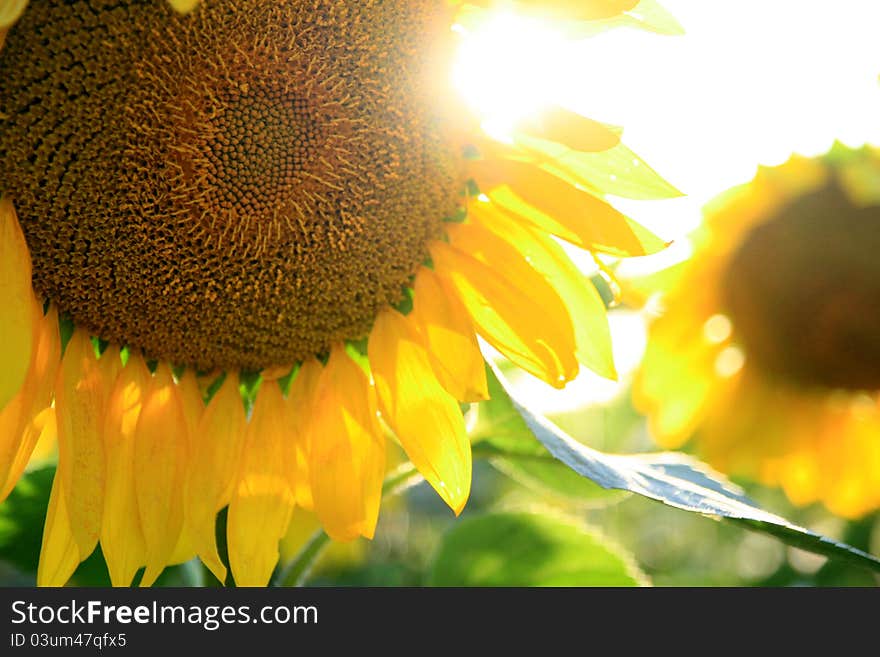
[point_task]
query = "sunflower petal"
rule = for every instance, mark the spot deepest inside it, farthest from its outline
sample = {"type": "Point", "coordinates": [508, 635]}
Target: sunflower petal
{"type": "Point", "coordinates": [570, 129]}
{"type": "Point", "coordinates": [81, 395]}
{"type": "Point", "coordinates": [262, 502]}
{"type": "Point", "coordinates": [517, 312]}
{"type": "Point", "coordinates": [10, 11]}
{"type": "Point", "coordinates": [159, 466]}
{"type": "Point", "coordinates": [59, 555]}
{"type": "Point", "coordinates": [193, 409]}
{"type": "Point", "coordinates": [17, 300]}
{"type": "Point", "coordinates": [122, 540]}
{"type": "Point", "coordinates": [299, 405]}
{"type": "Point", "coordinates": [426, 419]}
{"type": "Point", "coordinates": [532, 194]}
{"type": "Point", "coordinates": [23, 419]}
{"type": "Point", "coordinates": [217, 447]}
{"type": "Point", "coordinates": [184, 6]}
{"type": "Point", "coordinates": [347, 450]}
{"type": "Point", "coordinates": [448, 332]}
{"type": "Point", "coordinates": [585, 306]}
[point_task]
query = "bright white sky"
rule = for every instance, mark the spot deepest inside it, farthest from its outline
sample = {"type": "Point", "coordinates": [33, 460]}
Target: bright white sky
{"type": "Point", "coordinates": [751, 82]}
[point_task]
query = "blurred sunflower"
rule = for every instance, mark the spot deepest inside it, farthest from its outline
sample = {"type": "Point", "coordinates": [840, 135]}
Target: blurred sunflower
{"type": "Point", "coordinates": [259, 225]}
{"type": "Point", "coordinates": [768, 350]}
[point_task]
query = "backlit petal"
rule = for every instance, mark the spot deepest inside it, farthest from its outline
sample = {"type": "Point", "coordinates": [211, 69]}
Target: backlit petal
{"type": "Point", "coordinates": [159, 466]}
{"type": "Point", "coordinates": [513, 307]}
{"type": "Point", "coordinates": [426, 419]}
{"type": "Point", "coordinates": [300, 402]}
{"type": "Point", "coordinates": [213, 470]}
{"type": "Point", "coordinates": [448, 332]}
{"type": "Point", "coordinates": [262, 502]}
{"type": "Point", "coordinates": [22, 420]}
{"type": "Point", "coordinates": [10, 10]}
{"type": "Point", "coordinates": [571, 130]}
{"type": "Point", "coordinates": [122, 540]}
{"type": "Point", "coordinates": [18, 328]}
{"type": "Point", "coordinates": [347, 455]}
{"type": "Point", "coordinates": [59, 555]}
{"type": "Point", "coordinates": [193, 409]}
{"type": "Point", "coordinates": [530, 193]}
{"type": "Point", "coordinates": [584, 304]}
{"type": "Point", "coordinates": [81, 394]}
{"type": "Point", "coordinates": [184, 6]}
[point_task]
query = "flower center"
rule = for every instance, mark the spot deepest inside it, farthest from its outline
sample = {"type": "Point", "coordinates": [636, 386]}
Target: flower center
{"type": "Point", "coordinates": [239, 187]}
{"type": "Point", "coordinates": [803, 291]}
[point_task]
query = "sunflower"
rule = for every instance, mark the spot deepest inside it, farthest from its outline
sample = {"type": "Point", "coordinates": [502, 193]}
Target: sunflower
{"type": "Point", "coordinates": [243, 244]}
{"type": "Point", "coordinates": [768, 351]}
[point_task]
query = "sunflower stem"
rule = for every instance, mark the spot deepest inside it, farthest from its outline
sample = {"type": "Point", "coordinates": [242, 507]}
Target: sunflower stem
{"type": "Point", "coordinates": [297, 569]}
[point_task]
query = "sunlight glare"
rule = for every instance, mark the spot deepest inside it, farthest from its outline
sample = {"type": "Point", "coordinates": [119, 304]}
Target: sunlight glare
{"type": "Point", "coordinates": [750, 83]}
{"type": "Point", "coordinates": [509, 68]}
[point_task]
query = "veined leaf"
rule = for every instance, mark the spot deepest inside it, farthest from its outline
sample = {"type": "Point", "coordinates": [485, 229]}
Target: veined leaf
{"type": "Point", "coordinates": [617, 171]}
{"type": "Point", "coordinates": [559, 481]}
{"type": "Point", "coordinates": [671, 478]}
{"type": "Point", "coordinates": [527, 549]}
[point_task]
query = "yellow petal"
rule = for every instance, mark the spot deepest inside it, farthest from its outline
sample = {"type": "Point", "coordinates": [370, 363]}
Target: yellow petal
{"type": "Point", "coordinates": [213, 470]}
{"type": "Point", "coordinates": [184, 6]}
{"type": "Point", "coordinates": [585, 306]}
{"type": "Point", "coordinates": [426, 419]}
{"type": "Point", "coordinates": [513, 307]}
{"type": "Point", "coordinates": [300, 402]}
{"type": "Point", "coordinates": [530, 193]}
{"type": "Point", "coordinates": [448, 332]}
{"type": "Point", "coordinates": [159, 466]}
{"type": "Point", "coordinates": [192, 400]}
{"type": "Point", "coordinates": [17, 302]}
{"type": "Point", "coordinates": [347, 455]}
{"type": "Point", "coordinates": [46, 450]}
{"type": "Point", "coordinates": [10, 10]}
{"type": "Point", "coordinates": [571, 130]}
{"type": "Point", "coordinates": [193, 409]}
{"type": "Point", "coordinates": [22, 420]}
{"type": "Point", "coordinates": [81, 394]}
{"type": "Point", "coordinates": [122, 540]}
{"type": "Point", "coordinates": [262, 502]}
{"type": "Point", "coordinates": [59, 555]}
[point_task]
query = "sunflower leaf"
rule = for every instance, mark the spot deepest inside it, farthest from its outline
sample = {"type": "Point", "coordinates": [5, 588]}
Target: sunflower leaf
{"type": "Point", "coordinates": [617, 171]}
{"type": "Point", "coordinates": [674, 479]}
{"type": "Point", "coordinates": [528, 549]}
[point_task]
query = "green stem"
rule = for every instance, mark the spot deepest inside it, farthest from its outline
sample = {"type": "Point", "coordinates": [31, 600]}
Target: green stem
{"type": "Point", "coordinates": [297, 569]}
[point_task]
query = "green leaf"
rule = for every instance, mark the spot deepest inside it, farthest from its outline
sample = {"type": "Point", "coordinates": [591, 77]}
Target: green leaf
{"type": "Point", "coordinates": [671, 478]}
{"type": "Point", "coordinates": [556, 479]}
{"type": "Point", "coordinates": [502, 436]}
{"type": "Point", "coordinates": [22, 516]}
{"type": "Point", "coordinates": [617, 171]}
{"type": "Point", "coordinates": [526, 549]}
